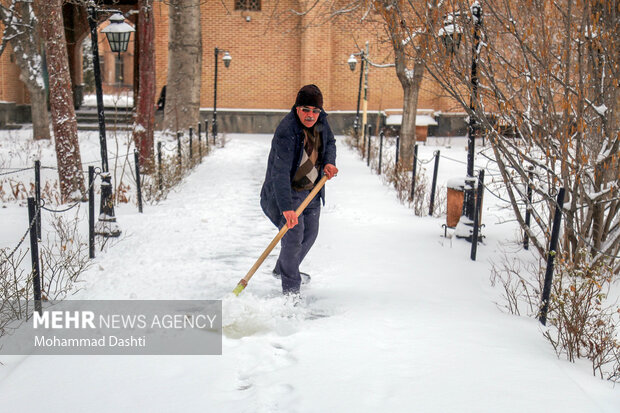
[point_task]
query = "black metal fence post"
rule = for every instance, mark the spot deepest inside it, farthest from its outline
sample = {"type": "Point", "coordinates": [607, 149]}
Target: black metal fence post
{"type": "Point", "coordinates": [528, 209]}
{"type": "Point", "coordinates": [33, 211]}
{"type": "Point", "coordinates": [369, 145]}
{"type": "Point", "coordinates": [432, 205]}
{"type": "Point", "coordinates": [37, 193]}
{"type": "Point", "coordinates": [160, 176]}
{"type": "Point", "coordinates": [397, 151]}
{"type": "Point", "coordinates": [553, 246]}
{"type": "Point", "coordinates": [207, 133]}
{"type": "Point", "coordinates": [364, 132]}
{"type": "Point", "coordinates": [413, 175]}
{"type": "Point", "coordinates": [381, 136]}
{"type": "Point", "coordinates": [91, 211]}
{"type": "Point", "coordinates": [136, 157]}
{"type": "Point", "coordinates": [199, 142]}
{"type": "Point", "coordinates": [474, 240]}
{"type": "Point", "coordinates": [191, 149]}
{"type": "Point", "coordinates": [214, 131]}
{"type": "Point", "coordinates": [180, 158]}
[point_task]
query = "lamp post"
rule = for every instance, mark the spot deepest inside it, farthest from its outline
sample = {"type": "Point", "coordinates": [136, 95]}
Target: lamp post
{"type": "Point", "coordinates": [366, 63]}
{"type": "Point", "coordinates": [118, 33]}
{"type": "Point", "coordinates": [451, 35]}
{"type": "Point", "coordinates": [226, 58]}
{"type": "Point", "coordinates": [352, 62]}
{"type": "Point", "coordinates": [473, 127]}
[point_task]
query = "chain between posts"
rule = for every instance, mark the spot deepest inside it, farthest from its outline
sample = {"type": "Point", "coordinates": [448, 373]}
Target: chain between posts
{"type": "Point", "coordinates": [16, 171]}
{"type": "Point", "coordinates": [21, 241]}
{"type": "Point", "coordinates": [58, 211]}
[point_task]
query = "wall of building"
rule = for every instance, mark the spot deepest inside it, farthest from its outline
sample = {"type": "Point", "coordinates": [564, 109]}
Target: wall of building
{"type": "Point", "coordinates": [11, 88]}
{"type": "Point", "coordinates": [273, 55]}
{"type": "Point", "coordinates": [265, 67]}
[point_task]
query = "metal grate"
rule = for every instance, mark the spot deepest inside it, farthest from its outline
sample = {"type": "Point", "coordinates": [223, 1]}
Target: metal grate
{"type": "Point", "coordinates": [251, 5]}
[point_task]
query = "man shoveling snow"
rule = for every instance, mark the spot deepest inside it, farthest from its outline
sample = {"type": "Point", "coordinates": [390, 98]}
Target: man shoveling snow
{"type": "Point", "coordinates": [302, 150]}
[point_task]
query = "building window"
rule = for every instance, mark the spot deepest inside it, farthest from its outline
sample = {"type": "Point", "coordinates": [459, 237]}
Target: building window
{"type": "Point", "coordinates": [249, 5]}
{"type": "Point", "coordinates": [119, 69]}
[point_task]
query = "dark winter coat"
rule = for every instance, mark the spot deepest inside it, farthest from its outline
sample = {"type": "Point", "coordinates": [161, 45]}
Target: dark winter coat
{"type": "Point", "coordinates": [284, 159]}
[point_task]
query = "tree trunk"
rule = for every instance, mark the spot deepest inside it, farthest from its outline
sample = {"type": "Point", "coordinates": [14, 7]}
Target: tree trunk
{"type": "Point", "coordinates": [410, 80]}
{"type": "Point", "coordinates": [40, 115]}
{"type": "Point", "coordinates": [411, 89]}
{"type": "Point", "coordinates": [23, 31]}
{"type": "Point", "coordinates": [61, 102]}
{"type": "Point", "coordinates": [184, 66]}
{"type": "Point", "coordinates": [145, 117]}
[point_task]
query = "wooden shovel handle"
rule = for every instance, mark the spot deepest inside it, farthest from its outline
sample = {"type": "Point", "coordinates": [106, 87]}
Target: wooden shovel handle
{"type": "Point", "coordinates": [244, 281]}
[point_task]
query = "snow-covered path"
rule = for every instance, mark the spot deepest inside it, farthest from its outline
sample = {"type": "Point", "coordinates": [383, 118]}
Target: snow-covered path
{"type": "Point", "coordinates": [397, 318]}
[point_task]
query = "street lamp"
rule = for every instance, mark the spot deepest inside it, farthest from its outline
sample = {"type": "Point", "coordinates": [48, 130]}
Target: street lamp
{"type": "Point", "coordinates": [352, 63]}
{"type": "Point", "coordinates": [226, 58]}
{"type": "Point", "coordinates": [451, 36]}
{"type": "Point", "coordinates": [366, 63]}
{"type": "Point", "coordinates": [474, 127]}
{"type": "Point", "coordinates": [451, 33]}
{"type": "Point", "coordinates": [118, 33]}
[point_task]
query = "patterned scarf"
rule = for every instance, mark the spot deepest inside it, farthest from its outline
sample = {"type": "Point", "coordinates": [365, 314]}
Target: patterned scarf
{"type": "Point", "coordinates": [308, 173]}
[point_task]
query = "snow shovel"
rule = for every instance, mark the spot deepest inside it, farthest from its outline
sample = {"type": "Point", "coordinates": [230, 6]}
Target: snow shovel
{"type": "Point", "coordinates": [244, 281]}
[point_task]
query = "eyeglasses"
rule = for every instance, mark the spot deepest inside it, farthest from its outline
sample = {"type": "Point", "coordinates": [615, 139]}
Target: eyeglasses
{"type": "Point", "coordinates": [308, 110]}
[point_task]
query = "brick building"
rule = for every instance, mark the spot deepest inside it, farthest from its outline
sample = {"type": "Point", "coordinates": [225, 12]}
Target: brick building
{"type": "Point", "coordinates": [272, 57]}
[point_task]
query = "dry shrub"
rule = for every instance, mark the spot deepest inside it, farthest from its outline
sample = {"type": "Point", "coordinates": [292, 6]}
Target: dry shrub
{"type": "Point", "coordinates": [400, 177]}
{"type": "Point", "coordinates": [172, 174]}
{"type": "Point", "coordinates": [123, 193]}
{"type": "Point", "coordinates": [522, 287]}
{"type": "Point", "coordinates": [15, 289]}
{"type": "Point", "coordinates": [63, 257]}
{"type": "Point", "coordinates": [582, 320]}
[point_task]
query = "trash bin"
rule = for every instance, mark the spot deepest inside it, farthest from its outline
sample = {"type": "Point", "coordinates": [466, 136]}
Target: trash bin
{"type": "Point", "coordinates": [456, 197]}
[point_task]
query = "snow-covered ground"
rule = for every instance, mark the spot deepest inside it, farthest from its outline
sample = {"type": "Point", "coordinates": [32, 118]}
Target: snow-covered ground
{"type": "Point", "coordinates": [396, 318]}
{"type": "Point", "coordinates": [119, 100]}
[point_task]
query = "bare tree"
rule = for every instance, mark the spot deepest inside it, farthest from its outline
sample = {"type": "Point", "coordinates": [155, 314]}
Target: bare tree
{"type": "Point", "coordinates": [21, 31]}
{"type": "Point", "coordinates": [552, 97]}
{"type": "Point", "coordinates": [399, 23]}
{"type": "Point", "coordinates": [407, 33]}
{"type": "Point", "coordinates": [184, 65]}
{"type": "Point", "coordinates": [61, 101]}
{"type": "Point", "coordinates": [145, 117]}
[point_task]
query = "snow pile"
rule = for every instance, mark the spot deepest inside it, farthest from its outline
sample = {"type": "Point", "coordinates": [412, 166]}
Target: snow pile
{"type": "Point", "coordinates": [248, 315]}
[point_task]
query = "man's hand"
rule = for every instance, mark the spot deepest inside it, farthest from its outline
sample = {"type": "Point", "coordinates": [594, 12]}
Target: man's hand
{"type": "Point", "coordinates": [291, 218]}
{"type": "Point", "coordinates": [330, 170]}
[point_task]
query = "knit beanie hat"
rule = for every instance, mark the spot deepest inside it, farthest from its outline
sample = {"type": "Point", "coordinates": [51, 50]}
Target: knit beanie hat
{"type": "Point", "coordinates": [309, 95]}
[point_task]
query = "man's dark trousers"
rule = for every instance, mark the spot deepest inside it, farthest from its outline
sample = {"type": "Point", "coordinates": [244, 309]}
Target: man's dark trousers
{"type": "Point", "coordinates": [297, 242]}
